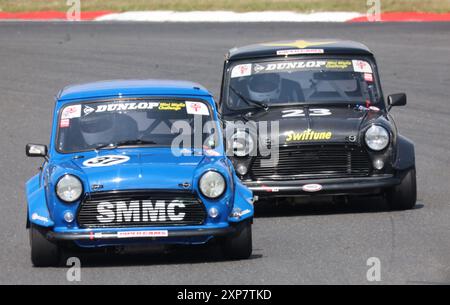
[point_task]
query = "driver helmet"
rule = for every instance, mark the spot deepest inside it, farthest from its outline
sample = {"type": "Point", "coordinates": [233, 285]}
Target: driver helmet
{"type": "Point", "coordinates": [264, 87]}
{"type": "Point", "coordinates": [97, 129]}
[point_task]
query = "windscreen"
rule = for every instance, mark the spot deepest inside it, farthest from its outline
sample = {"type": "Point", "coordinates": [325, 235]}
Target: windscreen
{"type": "Point", "coordinates": [295, 81]}
{"type": "Point", "coordinates": [87, 126]}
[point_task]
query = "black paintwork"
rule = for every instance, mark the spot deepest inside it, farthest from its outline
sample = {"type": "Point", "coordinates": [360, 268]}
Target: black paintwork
{"type": "Point", "coordinates": [347, 124]}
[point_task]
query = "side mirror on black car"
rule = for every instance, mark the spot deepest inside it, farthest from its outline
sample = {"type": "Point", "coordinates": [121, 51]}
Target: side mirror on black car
{"type": "Point", "coordinates": [398, 99]}
{"type": "Point", "coordinates": [36, 150]}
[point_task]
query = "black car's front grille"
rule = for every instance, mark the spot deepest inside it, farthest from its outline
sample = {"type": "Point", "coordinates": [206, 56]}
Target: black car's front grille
{"type": "Point", "coordinates": [140, 209]}
{"type": "Point", "coordinates": [314, 162]}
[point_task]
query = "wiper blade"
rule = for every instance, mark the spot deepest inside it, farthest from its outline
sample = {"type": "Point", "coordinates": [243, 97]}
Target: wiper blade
{"type": "Point", "coordinates": [249, 101]}
{"type": "Point", "coordinates": [330, 103]}
{"type": "Point", "coordinates": [105, 146]}
{"type": "Point", "coordinates": [125, 143]}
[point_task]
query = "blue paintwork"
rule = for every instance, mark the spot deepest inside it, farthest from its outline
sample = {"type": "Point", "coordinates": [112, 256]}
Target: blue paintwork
{"type": "Point", "coordinates": [131, 88]}
{"type": "Point", "coordinates": [148, 168]}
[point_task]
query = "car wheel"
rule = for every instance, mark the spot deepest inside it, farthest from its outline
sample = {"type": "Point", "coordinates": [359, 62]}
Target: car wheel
{"type": "Point", "coordinates": [404, 195]}
{"type": "Point", "coordinates": [44, 253]}
{"type": "Point", "coordinates": [239, 245]}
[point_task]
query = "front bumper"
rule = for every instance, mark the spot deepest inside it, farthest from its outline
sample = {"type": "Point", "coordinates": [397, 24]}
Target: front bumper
{"type": "Point", "coordinates": [112, 234]}
{"type": "Point", "coordinates": [332, 187]}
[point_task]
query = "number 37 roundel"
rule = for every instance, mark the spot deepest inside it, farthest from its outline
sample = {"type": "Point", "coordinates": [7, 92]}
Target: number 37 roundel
{"type": "Point", "coordinates": [108, 160]}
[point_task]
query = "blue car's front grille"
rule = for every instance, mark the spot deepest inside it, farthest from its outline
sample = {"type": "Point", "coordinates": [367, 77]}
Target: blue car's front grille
{"type": "Point", "coordinates": [140, 209]}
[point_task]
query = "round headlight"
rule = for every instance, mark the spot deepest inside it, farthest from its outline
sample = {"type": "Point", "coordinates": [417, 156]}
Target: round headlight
{"type": "Point", "coordinates": [212, 184]}
{"type": "Point", "coordinates": [377, 137]}
{"type": "Point", "coordinates": [69, 188]}
{"type": "Point", "coordinates": [242, 143]}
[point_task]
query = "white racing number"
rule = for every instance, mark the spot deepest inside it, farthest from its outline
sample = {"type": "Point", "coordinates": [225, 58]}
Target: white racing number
{"type": "Point", "coordinates": [106, 161]}
{"type": "Point", "coordinates": [295, 113]}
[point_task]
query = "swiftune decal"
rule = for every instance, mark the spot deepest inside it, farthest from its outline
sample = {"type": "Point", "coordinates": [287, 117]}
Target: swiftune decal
{"type": "Point", "coordinates": [309, 135]}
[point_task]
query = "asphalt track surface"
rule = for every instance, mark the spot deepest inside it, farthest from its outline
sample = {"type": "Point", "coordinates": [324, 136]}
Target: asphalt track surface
{"type": "Point", "coordinates": [316, 243]}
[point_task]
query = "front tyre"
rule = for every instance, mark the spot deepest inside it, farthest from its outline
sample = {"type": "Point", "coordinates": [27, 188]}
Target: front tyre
{"type": "Point", "coordinates": [44, 253]}
{"type": "Point", "coordinates": [404, 195]}
{"type": "Point", "coordinates": [239, 245]}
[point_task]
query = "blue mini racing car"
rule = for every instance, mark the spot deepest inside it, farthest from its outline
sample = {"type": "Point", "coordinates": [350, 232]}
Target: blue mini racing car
{"type": "Point", "coordinates": [135, 162]}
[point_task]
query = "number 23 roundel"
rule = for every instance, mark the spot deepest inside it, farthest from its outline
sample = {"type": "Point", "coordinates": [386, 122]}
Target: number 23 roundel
{"type": "Point", "coordinates": [301, 113]}
{"type": "Point", "coordinates": [108, 160]}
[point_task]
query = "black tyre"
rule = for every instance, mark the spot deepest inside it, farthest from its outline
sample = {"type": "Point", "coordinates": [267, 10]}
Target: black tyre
{"type": "Point", "coordinates": [239, 245]}
{"type": "Point", "coordinates": [404, 195]}
{"type": "Point", "coordinates": [44, 253]}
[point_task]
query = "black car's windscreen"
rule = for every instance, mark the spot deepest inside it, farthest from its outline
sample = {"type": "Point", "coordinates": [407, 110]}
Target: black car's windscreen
{"type": "Point", "coordinates": [89, 125]}
{"type": "Point", "coordinates": [295, 81]}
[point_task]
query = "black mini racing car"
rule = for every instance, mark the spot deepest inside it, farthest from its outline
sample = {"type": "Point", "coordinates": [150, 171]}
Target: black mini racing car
{"type": "Point", "coordinates": [310, 118]}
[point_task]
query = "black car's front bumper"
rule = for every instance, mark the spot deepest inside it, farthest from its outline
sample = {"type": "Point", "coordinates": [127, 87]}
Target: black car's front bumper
{"type": "Point", "coordinates": [331, 187]}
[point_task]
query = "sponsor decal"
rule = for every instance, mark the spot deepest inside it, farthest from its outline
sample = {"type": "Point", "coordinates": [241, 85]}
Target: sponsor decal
{"type": "Point", "coordinates": [140, 234]}
{"type": "Point", "coordinates": [71, 112]}
{"type": "Point", "coordinates": [300, 44]}
{"type": "Point", "coordinates": [295, 113]}
{"type": "Point", "coordinates": [362, 66]}
{"type": "Point", "coordinates": [339, 64]}
{"type": "Point", "coordinates": [245, 212]}
{"type": "Point", "coordinates": [108, 160]}
{"type": "Point", "coordinates": [111, 107]}
{"type": "Point", "coordinates": [270, 189]}
{"type": "Point", "coordinates": [312, 65]}
{"type": "Point", "coordinates": [309, 135]}
{"type": "Point", "coordinates": [88, 110]}
{"type": "Point", "coordinates": [368, 77]}
{"type": "Point", "coordinates": [303, 65]}
{"type": "Point", "coordinates": [36, 216]}
{"type": "Point", "coordinates": [311, 188]}
{"type": "Point", "coordinates": [241, 70]}
{"type": "Point", "coordinates": [171, 106]}
{"type": "Point", "coordinates": [300, 51]}
{"type": "Point", "coordinates": [295, 65]}
{"type": "Point", "coordinates": [258, 68]}
{"type": "Point", "coordinates": [196, 108]}
{"type": "Point", "coordinates": [140, 211]}
{"type": "Point", "coordinates": [64, 123]}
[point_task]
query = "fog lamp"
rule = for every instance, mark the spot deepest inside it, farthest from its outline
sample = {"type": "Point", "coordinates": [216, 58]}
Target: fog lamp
{"type": "Point", "coordinates": [68, 217]}
{"type": "Point", "coordinates": [213, 213]}
{"type": "Point", "coordinates": [378, 164]}
{"type": "Point", "coordinates": [242, 169]}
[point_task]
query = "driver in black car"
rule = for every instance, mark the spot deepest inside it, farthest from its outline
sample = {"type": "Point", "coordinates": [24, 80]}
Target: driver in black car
{"type": "Point", "coordinates": [272, 88]}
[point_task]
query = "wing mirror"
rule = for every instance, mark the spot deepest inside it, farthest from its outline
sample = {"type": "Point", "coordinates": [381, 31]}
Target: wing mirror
{"type": "Point", "coordinates": [36, 150]}
{"type": "Point", "coordinates": [398, 99]}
